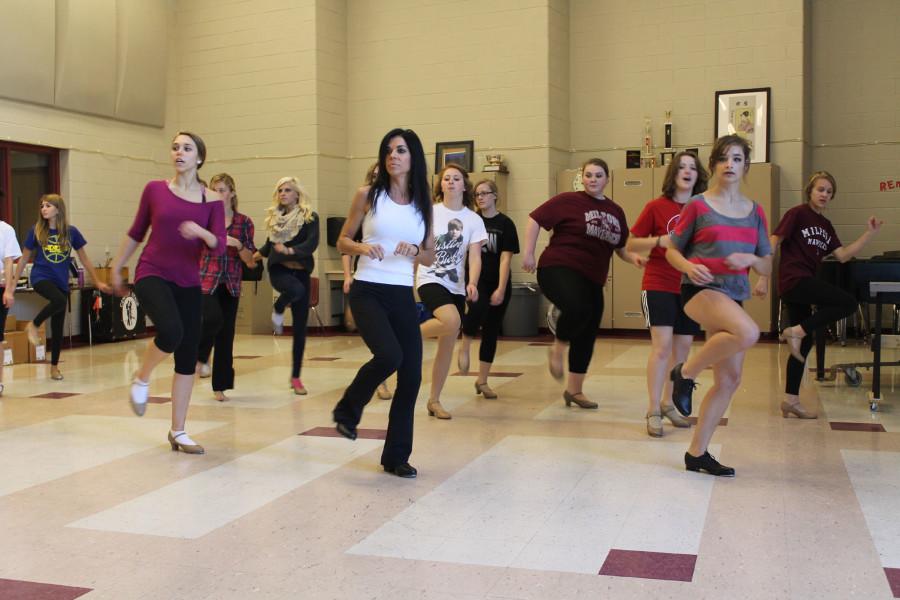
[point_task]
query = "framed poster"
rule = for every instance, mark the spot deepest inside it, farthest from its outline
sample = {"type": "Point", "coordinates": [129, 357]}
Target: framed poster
{"type": "Point", "coordinates": [745, 113]}
{"type": "Point", "coordinates": [458, 153]}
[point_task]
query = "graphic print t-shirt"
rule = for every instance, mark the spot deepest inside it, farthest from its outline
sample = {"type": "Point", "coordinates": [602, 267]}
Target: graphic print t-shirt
{"type": "Point", "coordinates": [659, 218]}
{"type": "Point", "coordinates": [807, 238]}
{"type": "Point", "coordinates": [501, 237]}
{"type": "Point", "coordinates": [51, 261]}
{"type": "Point", "coordinates": [453, 230]}
{"type": "Point", "coordinates": [586, 231]}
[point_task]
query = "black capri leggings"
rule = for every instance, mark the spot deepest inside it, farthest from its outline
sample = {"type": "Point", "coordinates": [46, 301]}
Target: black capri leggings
{"type": "Point", "coordinates": [483, 314]}
{"type": "Point", "coordinates": [832, 304]}
{"type": "Point", "coordinates": [176, 313]}
{"type": "Point", "coordinates": [55, 311]}
{"type": "Point", "coordinates": [293, 285]}
{"type": "Point", "coordinates": [219, 318]}
{"type": "Point", "coordinates": [580, 304]}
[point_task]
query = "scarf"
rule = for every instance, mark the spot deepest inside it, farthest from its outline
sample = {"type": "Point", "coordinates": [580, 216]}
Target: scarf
{"type": "Point", "coordinates": [285, 226]}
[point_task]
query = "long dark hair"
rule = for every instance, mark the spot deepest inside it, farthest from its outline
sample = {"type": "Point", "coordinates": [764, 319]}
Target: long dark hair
{"type": "Point", "coordinates": [201, 150]}
{"type": "Point", "coordinates": [419, 192]}
{"type": "Point", "coordinates": [669, 187]}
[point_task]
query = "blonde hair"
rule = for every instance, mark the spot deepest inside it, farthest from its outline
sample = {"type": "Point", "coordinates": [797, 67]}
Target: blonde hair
{"type": "Point", "coordinates": [42, 227]}
{"type": "Point", "coordinates": [229, 181]}
{"type": "Point", "coordinates": [276, 210]}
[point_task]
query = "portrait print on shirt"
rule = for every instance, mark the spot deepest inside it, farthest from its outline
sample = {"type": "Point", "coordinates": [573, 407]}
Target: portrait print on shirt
{"type": "Point", "coordinates": [449, 251]}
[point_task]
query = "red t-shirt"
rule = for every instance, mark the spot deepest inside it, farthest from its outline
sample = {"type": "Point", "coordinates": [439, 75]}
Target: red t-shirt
{"type": "Point", "coordinates": [659, 217]}
{"type": "Point", "coordinates": [585, 233]}
{"type": "Point", "coordinates": [807, 238]}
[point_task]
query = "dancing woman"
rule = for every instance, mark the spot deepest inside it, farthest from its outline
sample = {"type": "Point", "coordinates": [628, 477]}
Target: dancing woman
{"type": "Point", "coordinates": [720, 236]}
{"type": "Point", "coordinates": [494, 290]}
{"type": "Point", "coordinates": [9, 251]}
{"type": "Point", "coordinates": [458, 235]}
{"type": "Point", "coordinates": [220, 278]}
{"type": "Point", "coordinates": [587, 228]}
{"type": "Point", "coordinates": [292, 228]}
{"type": "Point", "coordinates": [671, 330]}
{"type": "Point", "coordinates": [51, 241]}
{"type": "Point", "coordinates": [395, 216]}
{"type": "Point", "coordinates": [806, 236]}
{"type": "Point", "coordinates": [183, 217]}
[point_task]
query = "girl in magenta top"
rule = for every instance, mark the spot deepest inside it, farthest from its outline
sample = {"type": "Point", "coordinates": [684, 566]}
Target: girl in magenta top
{"type": "Point", "coordinates": [720, 236]}
{"type": "Point", "coordinates": [671, 330]}
{"type": "Point", "coordinates": [806, 236]}
{"type": "Point", "coordinates": [587, 228]}
{"type": "Point", "coordinates": [183, 217]}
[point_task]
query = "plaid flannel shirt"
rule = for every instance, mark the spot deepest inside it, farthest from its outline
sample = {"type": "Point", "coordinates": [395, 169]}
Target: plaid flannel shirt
{"type": "Point", "coordinates": [226, 267]}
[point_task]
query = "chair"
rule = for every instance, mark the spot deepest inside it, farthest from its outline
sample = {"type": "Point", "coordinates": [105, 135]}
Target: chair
{"type": "Point", "coordinates": [314, 301]}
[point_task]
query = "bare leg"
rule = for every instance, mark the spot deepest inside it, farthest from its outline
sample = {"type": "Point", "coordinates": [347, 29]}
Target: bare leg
{"type": "Point", "coordinates": [182, 385]}
{"type": "Point", "coordinates": [575, 383]}
{"type": "Point", "coordinates": [726, 377]}
{"type": "Point", "coordinates": [441, 366]}
{"type": "Point", "coordinates": [484, 369]}
{"type": "Point", "coordinates": [152, 357]}
{"type": "Point", "coordinates": [462, 359]}
{"type": "Point", "coordinates": [444, 325]}
{"type": "Point", "coordinates": [658, 365]}
{"type": "Point", "coordinates": [729, 330]}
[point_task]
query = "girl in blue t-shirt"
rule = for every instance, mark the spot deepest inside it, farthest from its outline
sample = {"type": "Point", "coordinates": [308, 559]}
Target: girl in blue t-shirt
{"type": "Point", "coordinates": [51, 242]}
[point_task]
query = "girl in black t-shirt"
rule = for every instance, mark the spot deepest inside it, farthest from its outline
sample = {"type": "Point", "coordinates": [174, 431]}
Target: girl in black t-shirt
{"type": "Point", "coordinates": [493, 286]}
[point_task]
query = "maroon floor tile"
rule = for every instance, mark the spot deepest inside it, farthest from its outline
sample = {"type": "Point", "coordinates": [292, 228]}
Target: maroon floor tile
{"type": "Point", "coordinates": [12, 589]}
{"type": "Point", "coordinates": [649, 565]}
{"type": "Point", "coordinates": [324, 358]}
{"type": "Point", "coordinates": [365, 434]}
{"type": "Point", "coordinates": [247, 356]}
{"type": "Point", "coordinates": [540, 343]}
{"type": "Point", "coordinates": [159, 399]}
{"type": "Point", "coordinates": [893, 577]}
{"type": "Point", "coordinates": [722, 422]}
{"type": "Point", "coordinates": [843, 426]}
{"type": "Point", "coordinates": [56, 395]}
{"type": "Point", "coordinates": [493, 374]}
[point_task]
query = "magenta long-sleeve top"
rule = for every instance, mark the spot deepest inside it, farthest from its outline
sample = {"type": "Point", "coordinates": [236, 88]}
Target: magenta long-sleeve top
{"type": "Point", "coordinates": [167, 254]}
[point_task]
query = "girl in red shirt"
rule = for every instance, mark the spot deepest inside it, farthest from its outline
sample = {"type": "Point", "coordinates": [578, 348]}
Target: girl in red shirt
{"type": "Point", "coordinates": [806, 237]}
{"type": "Point", "coordinates": [671, 330]}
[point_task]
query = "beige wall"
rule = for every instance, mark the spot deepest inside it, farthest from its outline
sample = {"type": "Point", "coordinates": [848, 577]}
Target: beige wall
{"type": "Point", "coordinates": [308, 87]}
{"type": "Point", "coordinates": [855, 116]}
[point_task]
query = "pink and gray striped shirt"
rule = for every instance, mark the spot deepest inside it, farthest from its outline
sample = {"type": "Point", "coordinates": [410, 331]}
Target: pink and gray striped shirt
{"type": "Point", "coordinates": [707, 237]}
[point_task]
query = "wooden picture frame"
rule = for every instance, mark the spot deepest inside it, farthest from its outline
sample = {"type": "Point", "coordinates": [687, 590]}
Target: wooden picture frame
{"type": "Point", "coordinates": [459, 153]}
{"type": "Point", "coordinates": [745, 113]}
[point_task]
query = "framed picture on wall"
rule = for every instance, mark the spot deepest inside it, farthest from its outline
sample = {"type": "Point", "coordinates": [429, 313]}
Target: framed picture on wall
{"type": "Point", "coordinates": [457, 153]}
{"type": "Point", "coordinates": [745, 113]}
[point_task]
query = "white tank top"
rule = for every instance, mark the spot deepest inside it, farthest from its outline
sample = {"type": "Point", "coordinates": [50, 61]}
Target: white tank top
{"type": "Point", "coordinates": [388, 223]}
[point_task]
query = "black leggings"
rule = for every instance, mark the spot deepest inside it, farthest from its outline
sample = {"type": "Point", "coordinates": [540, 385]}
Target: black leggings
{"type": "Point", "coordinates": [832, 304]}
{"type": "Point", "coordinates": [483, 314]}
{"type": "Point", "coordinates": [580, 304]}
{"type": "Point", "coordinates": [388, 322]}
{"type": "Point", "coordinates": [219, 316]}
{"type": "Point", "coordinates": [176, 313]}
{"type": "Point", "coordinates": [56, 311]}
{"type": "Point", "coordinates": [293, 285]}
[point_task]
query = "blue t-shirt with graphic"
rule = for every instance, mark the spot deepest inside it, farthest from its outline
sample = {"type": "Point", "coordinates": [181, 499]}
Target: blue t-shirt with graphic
{"type": "Point", "coordinates": [51, 261]}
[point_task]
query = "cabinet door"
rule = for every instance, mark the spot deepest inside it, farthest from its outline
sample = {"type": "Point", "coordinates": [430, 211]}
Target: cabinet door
{"type": "Point", "coordinates": [762, 185]}
{"type": "Point", "coordinates": [632, 189]}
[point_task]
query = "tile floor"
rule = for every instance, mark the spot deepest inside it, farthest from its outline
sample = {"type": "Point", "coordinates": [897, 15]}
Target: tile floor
{"type": "Point", "coordinates": [517, 498]}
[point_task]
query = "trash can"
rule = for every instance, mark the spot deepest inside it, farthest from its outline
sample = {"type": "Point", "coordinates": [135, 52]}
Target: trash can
{"type": "Point", "coordinates": [521, 318]}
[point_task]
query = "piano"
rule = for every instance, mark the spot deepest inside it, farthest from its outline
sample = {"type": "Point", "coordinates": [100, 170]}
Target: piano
{"type": "Point", "coordinates": [856, 277]}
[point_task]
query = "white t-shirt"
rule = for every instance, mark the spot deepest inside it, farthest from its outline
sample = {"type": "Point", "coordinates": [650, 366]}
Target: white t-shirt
{"type": "Point", "coordinates": [9, 247]}
{"type": "Point", "coordinates": [389, 223]}
{"type": "Point", "coordinates": [453, 231]}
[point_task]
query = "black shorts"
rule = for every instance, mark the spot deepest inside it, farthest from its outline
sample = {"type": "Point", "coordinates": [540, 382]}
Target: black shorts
{"type": "Point", "coordinates": [434, 295]}
{"type": "Point", "coordinates": [689, 290]}
{"type": "Point", "coordinates": [664, 309]}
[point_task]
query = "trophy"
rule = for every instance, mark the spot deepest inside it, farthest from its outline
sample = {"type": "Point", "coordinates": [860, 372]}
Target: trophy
{"type": "Point", "coordinates": [494, 162]}
{"type": "Point", "coordinates": [668, 154]}
{"type": "Point", "coordinates": [647, 158]}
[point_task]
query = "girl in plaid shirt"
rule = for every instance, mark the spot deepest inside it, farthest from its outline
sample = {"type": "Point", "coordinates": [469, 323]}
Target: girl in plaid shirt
{"type": "Point", "coordinates": [220, 280]}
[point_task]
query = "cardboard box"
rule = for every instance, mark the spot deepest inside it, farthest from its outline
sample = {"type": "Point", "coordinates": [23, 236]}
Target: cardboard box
{"type": "Point", "coordinates": [10, 324]}
{"type": "Point", "coordinates": [104, 273]}
{"type": "Point", "coordinates": [17, 341]}
{"type": "Point", "coordinates": [38, 352]}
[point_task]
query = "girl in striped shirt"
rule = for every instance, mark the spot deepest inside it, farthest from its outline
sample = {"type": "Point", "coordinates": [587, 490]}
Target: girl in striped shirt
{"type": "Point", "coordinates": [720, 236]}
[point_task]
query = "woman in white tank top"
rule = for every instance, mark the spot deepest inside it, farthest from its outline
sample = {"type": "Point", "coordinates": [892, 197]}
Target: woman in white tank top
{"type": "Point", "coordinates": [395, 216]}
